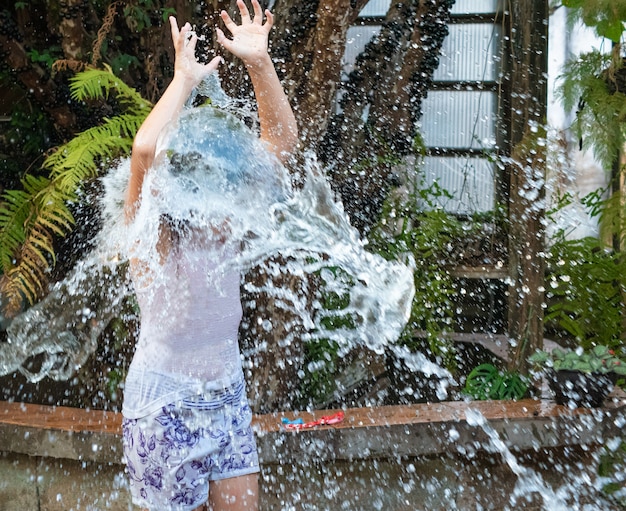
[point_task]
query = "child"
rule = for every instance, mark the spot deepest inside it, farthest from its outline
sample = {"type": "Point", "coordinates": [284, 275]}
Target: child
{"type": "Point", "coordinates": [187, 436]}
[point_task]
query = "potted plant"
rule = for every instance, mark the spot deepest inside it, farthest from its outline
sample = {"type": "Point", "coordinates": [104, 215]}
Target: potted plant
{"type": "Point", "coordinates": [580, 377]}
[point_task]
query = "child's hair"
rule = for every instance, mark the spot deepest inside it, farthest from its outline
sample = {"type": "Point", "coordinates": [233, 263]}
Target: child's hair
{"type": "Point", "coordinates": [182, 163]}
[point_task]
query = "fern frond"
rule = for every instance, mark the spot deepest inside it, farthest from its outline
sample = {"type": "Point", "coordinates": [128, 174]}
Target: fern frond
{"type": "Point", "coordinates": [31, 217]}
{"type": "Point", "coordinates": [16, 212]}
{"type": "Point", "coordinates": [27, 245]}
{"type": "Point", "coordinates": [23, 282]}
{"type": "Point", "coordinates": [601, 113]}
{"type": "Point", "coordinates": [39, 244]}
{"type": "Point", "coordinates": [611, 218]}
{"type": "Point", "coordinates": [100, 84]}
{"type": "Point", "coordinates": [58, 221]}
{"type": "Point", "coordinates": [581, 75]}
{"type": "Point", "coordinates": [28, 277]}
{"type": "Point", "coordinates": [79, 159]}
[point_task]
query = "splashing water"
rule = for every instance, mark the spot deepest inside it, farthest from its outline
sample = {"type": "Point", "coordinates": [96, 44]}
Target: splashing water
{"type": "Point", "coordinates": [529, 482]}
{"type": "Point", "coordinates": [212, 174]}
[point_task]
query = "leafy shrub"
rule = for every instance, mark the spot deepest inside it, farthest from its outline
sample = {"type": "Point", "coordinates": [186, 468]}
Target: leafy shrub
{"type": "Point", "coordinates": [417, 229]}
{"type": "Point", "coordinates": [585, 289]}
{"type": "Point", "coordinates": [600, 359]}
{"type": "Point", "coordinates": [488, 382]}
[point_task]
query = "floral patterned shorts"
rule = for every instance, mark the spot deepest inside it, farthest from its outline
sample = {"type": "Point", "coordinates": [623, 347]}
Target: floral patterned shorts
{"type": "Point", "coordinates": [172, 454]}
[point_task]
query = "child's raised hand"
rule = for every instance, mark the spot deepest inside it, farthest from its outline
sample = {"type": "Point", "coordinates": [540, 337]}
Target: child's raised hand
{"type": "Point", "coordinates": [249, 40]}
{"type": "Point", "coordinates": [186, 63]}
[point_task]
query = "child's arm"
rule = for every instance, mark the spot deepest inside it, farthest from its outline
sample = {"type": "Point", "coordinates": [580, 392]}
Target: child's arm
{"type": "Point", "coordinates": [249, 43]}
{"type": "Point", "coordinates": [188, 73]}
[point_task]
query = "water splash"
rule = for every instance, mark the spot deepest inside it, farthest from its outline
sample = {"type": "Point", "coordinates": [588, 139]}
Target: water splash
{"type": "Point", "coordinates": [212, 174]}
{"type": "Point", "coordinates": [55, 337]}
{"type": "Point", "coordinates": [529, 482]}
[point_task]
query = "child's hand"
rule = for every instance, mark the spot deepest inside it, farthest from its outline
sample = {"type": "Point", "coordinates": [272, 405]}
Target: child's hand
{"type": "Point", "coordinates": [186, 63]}
{"type": "Point", "coordinates": [249, 41]}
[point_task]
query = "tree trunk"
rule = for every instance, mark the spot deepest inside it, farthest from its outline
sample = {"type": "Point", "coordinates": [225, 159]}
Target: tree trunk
{"type": "Point", "coordinates": [324, 49]}
{"type": "Point", "coordinates": [527, 171]}
{"type": "Point", "coordinates": [71, 29]}
{"type": "Point", "coordinates": [382, 104]}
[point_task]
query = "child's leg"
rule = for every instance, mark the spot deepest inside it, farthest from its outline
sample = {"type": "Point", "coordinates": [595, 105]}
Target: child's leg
{"type": "Point", "coordinates": [239, 493]}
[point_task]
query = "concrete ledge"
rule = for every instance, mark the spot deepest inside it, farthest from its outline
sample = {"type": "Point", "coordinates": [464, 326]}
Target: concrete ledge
{"type": "Point", "coordinates": [433, 429]}
{"type": "Point", "coordinates": [391, 431]}
{"type": "Point", "coordinates": [60, 432]}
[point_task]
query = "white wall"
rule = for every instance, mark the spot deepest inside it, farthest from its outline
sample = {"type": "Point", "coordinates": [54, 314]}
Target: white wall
{"type": "Point", "coordinates": [569, 169]}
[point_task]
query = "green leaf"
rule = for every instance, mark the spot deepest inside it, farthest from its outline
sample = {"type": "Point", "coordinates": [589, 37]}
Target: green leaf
{"type": "Point", "coordinates": [167, 12]}
{"type": "Point", "coordinates": [539, 357]}
{"type": "Point", "coordinates": [487, 382]}
{"type": "Point", "coordinates": [620, 369]}
{"type": "Point", "coordinates": [611, 29]}
{"type": "Point", "coordinates": [513, 387]}
{"type": "Point", "coordinates": [480, 381]}
{"type": "Point", "coordinates": [600, 350]}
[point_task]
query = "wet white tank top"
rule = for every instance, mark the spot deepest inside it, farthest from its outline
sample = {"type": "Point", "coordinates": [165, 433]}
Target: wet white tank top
{"type": "Point", "coordinates": [190, 315]}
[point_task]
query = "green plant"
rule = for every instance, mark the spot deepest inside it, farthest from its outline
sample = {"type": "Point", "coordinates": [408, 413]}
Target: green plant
{"type": "Point", "coordinates": [32, 217]}
{"type": "Point", "coordinates": [486, 381]}
{"type": "Point", "coordinates": [585, 291]}
{"type": "Point", "coordinates": [612, 471]}
{"type": "Point", "coordinates": [588, 84]}
{"type": "Point", "coordinates": [599, 359]}
{"type": "Point", "coordinates": [586, 281]}
{"type": "Point", "coordinates": [607, 17]}
{"type": "Point", "coordinates": [47, 57]}
{"type": "Point", "coordinates": [594, 82]}
{"type": "Point", "coordinates": [417, 228]}
{"type": "Point", "coordinates": [321, 352]}
{"type": "Point", "coordinates": [123, 62]}
{"type": "Point", "coordinates": [586, 277]}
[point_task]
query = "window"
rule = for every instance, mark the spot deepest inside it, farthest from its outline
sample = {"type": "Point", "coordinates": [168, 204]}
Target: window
{"type": "Point", "coordinates": [460, 113]}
